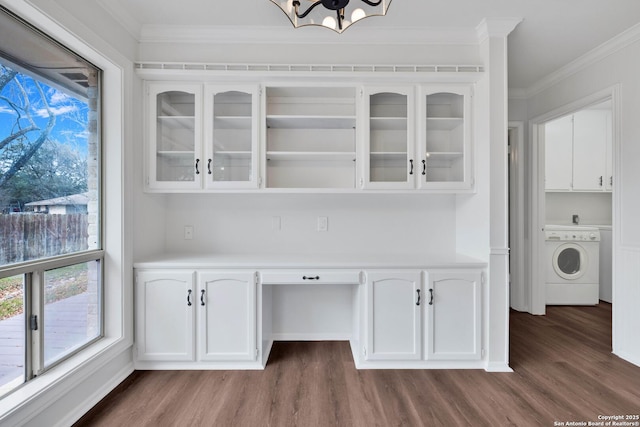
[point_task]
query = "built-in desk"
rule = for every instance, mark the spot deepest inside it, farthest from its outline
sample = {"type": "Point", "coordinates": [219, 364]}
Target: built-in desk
{"type": "Point", "coordinates": [225, 311]}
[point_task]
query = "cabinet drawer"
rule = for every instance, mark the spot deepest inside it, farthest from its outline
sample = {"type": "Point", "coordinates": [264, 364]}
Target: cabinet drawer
{"type": "Point", "coordinates": [311, 276]}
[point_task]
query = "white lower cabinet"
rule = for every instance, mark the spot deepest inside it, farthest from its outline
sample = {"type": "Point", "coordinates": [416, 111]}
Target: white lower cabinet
{"type": "Point", "coordinates": [165, 315]}
{"type": "Point", "coordinates": [453, 321]}
{"type": "Point", "coordinates": [227, 316]}
{"type": "Point", "coordinates": [393, 300]}
{"type": "Point", "coordinates": [430, 315]}
{"type": "Point", "coordinates": [203, 316]}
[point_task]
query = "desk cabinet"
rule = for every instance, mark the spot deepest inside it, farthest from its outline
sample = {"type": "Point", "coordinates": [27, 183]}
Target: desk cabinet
{"type": "Point", "coordinates": [453, 322]}
{"type": "Point", "coordinates": [187, 316]}
{"type": "Point", "coordinates": [393, 315]}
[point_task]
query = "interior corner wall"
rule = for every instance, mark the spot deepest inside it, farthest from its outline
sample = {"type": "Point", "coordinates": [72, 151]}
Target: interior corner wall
{"type": "Point", "coordinates": [620, 69]}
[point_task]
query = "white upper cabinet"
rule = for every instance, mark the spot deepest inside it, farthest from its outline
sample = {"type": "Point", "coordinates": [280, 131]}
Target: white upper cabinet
{"type": "Point", "coordinates": [306, 138]}
{"type": "Point", "coordinates": [231, 136]}
{"type": "Point", "coordinates": [444, 138]}
{"type": "Point", "coordinates": [578, 151]}
{"type": "Point", "coordinates": [310, 137]}
{"type": "Point", "coordinates": [589, 150]}
{"type": "Point", "coordinates": [174, 136]}
{"type": "Point", "coordinates": [558, 154]}
{"type": "Point", "coordinates": [389, 114]}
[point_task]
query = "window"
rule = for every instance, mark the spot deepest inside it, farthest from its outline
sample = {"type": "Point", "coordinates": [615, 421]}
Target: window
{"type": "Point", "coordinates": [51, 255]}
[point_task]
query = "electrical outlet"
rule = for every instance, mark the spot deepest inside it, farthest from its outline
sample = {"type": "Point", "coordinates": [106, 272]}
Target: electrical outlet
{"type": "Point", "coordinates": [323, 223]}
{"type": "Point", "coordinates": [188, 232]}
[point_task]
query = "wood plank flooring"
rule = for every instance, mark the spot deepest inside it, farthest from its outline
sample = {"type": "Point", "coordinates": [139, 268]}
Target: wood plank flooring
{"type": "Point", "coordinates": [564, 372]}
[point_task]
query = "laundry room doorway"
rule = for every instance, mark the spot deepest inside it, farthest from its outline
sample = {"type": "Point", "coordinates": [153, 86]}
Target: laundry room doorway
{"type": "Point", "coordinates": [572, 191]}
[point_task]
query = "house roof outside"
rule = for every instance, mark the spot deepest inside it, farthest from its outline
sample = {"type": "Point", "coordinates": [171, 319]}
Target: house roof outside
{"type": "Point", "coordinates": [72, 199]}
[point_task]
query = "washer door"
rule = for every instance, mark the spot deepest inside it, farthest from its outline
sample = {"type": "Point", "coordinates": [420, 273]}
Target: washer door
{"type": "Point", "coordinates": [570, 261]}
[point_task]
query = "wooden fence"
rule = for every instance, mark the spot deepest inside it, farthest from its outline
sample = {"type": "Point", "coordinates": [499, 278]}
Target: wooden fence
{"type": "Point", "coordinates": [27, 236]}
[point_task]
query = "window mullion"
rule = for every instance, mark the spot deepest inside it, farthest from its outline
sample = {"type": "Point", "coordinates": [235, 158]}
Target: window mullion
{"type": "Point", "coordinates": [37, 309]}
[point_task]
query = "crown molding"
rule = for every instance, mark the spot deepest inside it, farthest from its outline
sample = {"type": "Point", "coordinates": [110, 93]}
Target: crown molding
{"type": "Point", "coordinates": [307, 35]}
{"type": "Point", "coordinates": [622, 40]}
{"type": "Point", "coordinates": [496, 27]}
{"type": "Point", "coordinates": [128, 22]}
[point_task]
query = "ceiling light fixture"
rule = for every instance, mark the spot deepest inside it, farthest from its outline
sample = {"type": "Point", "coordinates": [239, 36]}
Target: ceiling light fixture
{"type": "Point", "coordinates": [333, 13]}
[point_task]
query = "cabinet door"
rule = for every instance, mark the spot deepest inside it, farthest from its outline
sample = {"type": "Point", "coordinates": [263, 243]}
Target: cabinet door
{"type": "Point", "coordinates": [226, 316]}
{"type": "Point", "coordinates": [558, 154]}
{"type": "Point", "coordinates": [453, 324]}
{"type": "Point", "coordinates": [165, 315]}
{"type": "Point", "coordinates": [389, 138]}
{"type": "Point", "coordinates": [393, 315]}
{"type": "Point", "coordinates": [174, 136]}
{"type": "Point", "coordinates": [608, 183]}
{"type": "Point", "coordinates": [589, 150]}
{"type": "Point", "coordinates": [444, 149]}
{"type": "Point", "coordinates": [231, 137]}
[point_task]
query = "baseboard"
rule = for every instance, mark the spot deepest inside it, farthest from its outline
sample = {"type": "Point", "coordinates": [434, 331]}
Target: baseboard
{"type": "Point", "coordinates": [628, 357]}
{"type": "Point", "coordinates": [83, 407]}
{"type": "Point", "coordinates": [498, 367]}
{"type": "Point", "coordinates": [310, 337]}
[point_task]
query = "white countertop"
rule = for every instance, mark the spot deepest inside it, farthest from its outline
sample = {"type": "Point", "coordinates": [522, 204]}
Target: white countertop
{"type": "Point", "coordinates": [283, 261]}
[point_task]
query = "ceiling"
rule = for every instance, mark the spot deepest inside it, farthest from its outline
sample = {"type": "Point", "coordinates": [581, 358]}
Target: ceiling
{"type": "Point", "coordinates": [552, 34]}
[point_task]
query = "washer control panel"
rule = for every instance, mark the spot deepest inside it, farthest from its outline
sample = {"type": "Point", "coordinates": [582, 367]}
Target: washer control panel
{"type": "Point", "coordinates": [572, 235]}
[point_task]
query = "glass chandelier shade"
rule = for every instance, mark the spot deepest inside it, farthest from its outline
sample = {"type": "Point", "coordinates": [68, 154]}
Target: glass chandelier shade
{"type": "Point", "coordinates": [337, 15]}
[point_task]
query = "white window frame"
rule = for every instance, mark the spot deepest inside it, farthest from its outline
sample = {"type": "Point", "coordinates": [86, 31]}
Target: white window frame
{"type": "Point", "coordinates": [58, 384]}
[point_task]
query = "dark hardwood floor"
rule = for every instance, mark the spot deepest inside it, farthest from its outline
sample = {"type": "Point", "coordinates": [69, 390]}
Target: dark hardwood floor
{"type": "Point", "coordinates": [564, 372]}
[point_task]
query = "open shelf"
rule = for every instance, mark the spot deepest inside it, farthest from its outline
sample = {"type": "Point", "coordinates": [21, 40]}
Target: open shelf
{"type": "Point", "coordinates": [311, 155]}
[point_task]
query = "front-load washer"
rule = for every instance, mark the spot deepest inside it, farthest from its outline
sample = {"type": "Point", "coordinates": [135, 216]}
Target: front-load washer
{"type": "Point", "coordinates": [572, 276]}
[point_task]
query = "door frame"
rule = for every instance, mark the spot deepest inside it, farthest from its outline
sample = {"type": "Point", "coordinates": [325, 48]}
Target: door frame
{"type": "Point", "coordinates": [536, 272]}
{"type": "Point", "coordinates": [517, 229]}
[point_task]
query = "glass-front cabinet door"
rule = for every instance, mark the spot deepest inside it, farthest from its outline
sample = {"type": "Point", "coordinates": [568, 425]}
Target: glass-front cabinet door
{"type": "Point", "coordinates": [231, 136]}
{"type": "Point", "coordinates": [174, 138]}
{"type": "Point", "coordinates": [444, 147]}
{"type": "Point", "coordinates": [389, 138]}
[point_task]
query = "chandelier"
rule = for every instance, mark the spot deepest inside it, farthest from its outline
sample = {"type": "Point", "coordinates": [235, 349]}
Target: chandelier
{"type": "Point", "coordinates": [337, 15]}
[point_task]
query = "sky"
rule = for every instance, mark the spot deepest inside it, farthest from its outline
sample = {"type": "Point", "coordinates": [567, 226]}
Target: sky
{"type": "Point", "coordinates": [71, 113]}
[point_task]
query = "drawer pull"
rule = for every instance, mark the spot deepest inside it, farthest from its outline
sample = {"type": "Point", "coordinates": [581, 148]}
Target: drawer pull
{"type": "Point", "coordinates": [310, 277]}
{"type": "Point", "coordinates": [189, 297]}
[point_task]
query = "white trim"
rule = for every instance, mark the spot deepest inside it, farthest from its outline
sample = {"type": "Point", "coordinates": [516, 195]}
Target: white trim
{"type": "Point", "coordinates": [536, 284]}
{"type": "Point", "coordinates": [128, 22]}
{"type": "Point", "coordinates": [516, 217]}
{"type": "Point", "coordinates": [496, 27]}
{"type": "Point", "coordinates": [497, 367]}
{"type": "Point", "coordinates": [622, 40]}
{"type": "Point", "coordinates": [229, 34]}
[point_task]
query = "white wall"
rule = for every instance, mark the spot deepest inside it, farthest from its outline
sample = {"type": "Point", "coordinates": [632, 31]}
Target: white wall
{"type": "Point", "coordinates": [358, 223]}
{"type": "Point", "coordinates": [621, 68]}
{"type": "Point", "coordinates": [592, 208]}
